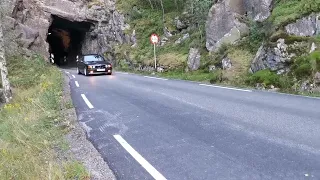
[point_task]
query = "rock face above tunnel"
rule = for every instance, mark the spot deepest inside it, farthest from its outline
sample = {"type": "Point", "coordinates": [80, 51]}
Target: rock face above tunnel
{"type": "Point", "coordinates": [26, 24]}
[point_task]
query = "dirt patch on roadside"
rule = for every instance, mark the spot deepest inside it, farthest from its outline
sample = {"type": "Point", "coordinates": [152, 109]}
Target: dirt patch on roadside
{"type": "Point", "coordinates": [80, 148]}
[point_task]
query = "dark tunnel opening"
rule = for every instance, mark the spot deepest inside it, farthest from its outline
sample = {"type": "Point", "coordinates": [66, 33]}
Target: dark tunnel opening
{"type": "Point", "coordinates": [65, 40]}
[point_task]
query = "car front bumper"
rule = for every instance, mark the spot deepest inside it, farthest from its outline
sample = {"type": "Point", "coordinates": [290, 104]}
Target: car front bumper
{"type": "Point", "coordinates": [100, 71]}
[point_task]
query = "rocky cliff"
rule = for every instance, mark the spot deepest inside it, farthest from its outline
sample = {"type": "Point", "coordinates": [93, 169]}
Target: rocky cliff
{"type": "Point", "coordinates": [26, 24]}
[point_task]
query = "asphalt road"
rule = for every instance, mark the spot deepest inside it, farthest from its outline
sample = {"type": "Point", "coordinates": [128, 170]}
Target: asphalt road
{"type": "Point", "coordinates": [147, 128]}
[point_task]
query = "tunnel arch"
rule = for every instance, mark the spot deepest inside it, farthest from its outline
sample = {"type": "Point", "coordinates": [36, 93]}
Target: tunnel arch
{"type": "Point", "coordinates": [65, 39]}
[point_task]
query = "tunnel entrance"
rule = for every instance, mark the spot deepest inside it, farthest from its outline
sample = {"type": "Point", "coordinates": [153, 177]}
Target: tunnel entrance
{"type": "Point", "coordinates": [65, 40]}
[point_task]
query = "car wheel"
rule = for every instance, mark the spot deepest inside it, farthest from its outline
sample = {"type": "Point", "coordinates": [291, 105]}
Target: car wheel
{"type": "Point", "coordinates": [85, 71]}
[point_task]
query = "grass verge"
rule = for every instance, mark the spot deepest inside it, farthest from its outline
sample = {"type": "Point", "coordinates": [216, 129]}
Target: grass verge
{"type": "Point", "coordinates": [29, 125]}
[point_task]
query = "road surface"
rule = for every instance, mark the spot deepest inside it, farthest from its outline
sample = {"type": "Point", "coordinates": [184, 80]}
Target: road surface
{"type": "Point", "coordinates": [154, 128]}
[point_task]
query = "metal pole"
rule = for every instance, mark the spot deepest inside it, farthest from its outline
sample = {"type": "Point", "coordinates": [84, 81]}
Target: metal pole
{"type": "Point", "coordinates": [155, 57]}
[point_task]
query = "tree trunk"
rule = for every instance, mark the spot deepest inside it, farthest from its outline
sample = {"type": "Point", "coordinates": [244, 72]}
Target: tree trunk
{"type": "Point", "coordinates": [3, 68]}
{"type": "Point", "coordinates": [151, 5]}
{"type": "Point", "coordinates": [162, 7]}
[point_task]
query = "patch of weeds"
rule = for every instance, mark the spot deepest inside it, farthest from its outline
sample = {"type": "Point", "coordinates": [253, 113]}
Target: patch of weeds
{"type": "Point", "coordinates": [76, 170]}
{"type": "Point", "coordinates": [69, 104]}
{"type": "Point", "coordinates": [265, 77]}
{"type": "Point", "coordinates": [200, 75]}
{"type": "Point", "coordinates": [28, 124]}
{"type": "Point", "coordinates": [305, 66]}
{"type": "Point", "coordinates": [286, 12]}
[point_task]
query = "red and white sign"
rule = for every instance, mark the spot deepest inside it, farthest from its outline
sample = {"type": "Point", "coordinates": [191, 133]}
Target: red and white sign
{"type": "Point", "coordinates": [154, 39]}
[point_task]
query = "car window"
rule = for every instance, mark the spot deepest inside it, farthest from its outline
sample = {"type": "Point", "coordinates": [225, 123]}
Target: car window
{"type": "Point", "coordinates": [93, 58]}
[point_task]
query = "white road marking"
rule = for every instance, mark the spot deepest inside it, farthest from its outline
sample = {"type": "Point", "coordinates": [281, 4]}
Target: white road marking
{"type": "Point", "coordinates": [87, 101]}
{"type": "Point", "coordinates": [77, 84]}
{"type": "Point", "coordinates": [225, 87]}
{"type": "Point", "coordinates": [122, 72]}
{"type": "Point", "coordinates": [144, 163]}
{"type": "Point", "coordinates": [67, 72]}
{"type": "Point", "coordinates": [73, 76]}
{"type": "Point", "coordinates": [155, 78]}
{"type": "Point", "coordinates": [296, 95]}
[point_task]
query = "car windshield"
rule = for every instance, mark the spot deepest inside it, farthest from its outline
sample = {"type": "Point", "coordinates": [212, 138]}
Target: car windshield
{"type": "Point", "coordinates": [93, 58]}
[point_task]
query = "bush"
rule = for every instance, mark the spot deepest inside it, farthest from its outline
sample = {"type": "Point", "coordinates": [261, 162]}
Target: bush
{"type": "Point", "coordinates": [216, 77]}
{"type": "Point", "coordinates": [265, 77]}
{"type": "Point", "coordinates": [315, 58]}
{"type": "Point", "coordinates": [288, 11]}
{"type": "Point", "coordinates": [304, 66]}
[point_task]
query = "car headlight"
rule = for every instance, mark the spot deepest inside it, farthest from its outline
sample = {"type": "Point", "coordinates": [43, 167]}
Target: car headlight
{"type": "Point", "coordinates": [90, 67]}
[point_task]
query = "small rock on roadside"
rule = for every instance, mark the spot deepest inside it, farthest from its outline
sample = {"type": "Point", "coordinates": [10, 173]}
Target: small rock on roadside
{"type": "Point", "coordinates": [194, 59]}
{"type": "Point", "coordinates": [226, 63]}
{"type": "Point", "coordinates": [317, 78]}
{"type": "Point", "coordinates": [313, 47]}
{"type": "Point", "coordinates": [260, 86]}
{"type": "Point", "coordinates": [2, 100]}
{"type": "Point", "coordinates": [160, 69]}
{"type": "Point", "coordinates": [183, 38]}
{"type": "Point", "coordinates": [212, 68]}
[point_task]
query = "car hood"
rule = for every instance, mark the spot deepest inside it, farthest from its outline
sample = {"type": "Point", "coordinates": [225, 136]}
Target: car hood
{"type": "Point", "coordinates": [97, 62]}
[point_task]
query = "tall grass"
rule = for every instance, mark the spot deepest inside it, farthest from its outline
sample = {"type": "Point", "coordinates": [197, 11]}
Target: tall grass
{"type": "Point", "coordinates": [28, 125]}
{"type": "Point", "coordinates": [287, 11]}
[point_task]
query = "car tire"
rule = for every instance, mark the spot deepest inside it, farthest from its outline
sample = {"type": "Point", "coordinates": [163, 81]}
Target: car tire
{"type": "Point", "coordinates": [85, 71]}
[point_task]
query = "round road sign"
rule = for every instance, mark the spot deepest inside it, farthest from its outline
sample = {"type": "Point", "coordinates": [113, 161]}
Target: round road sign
{"type": "Point", "coordinates": [154, 39]}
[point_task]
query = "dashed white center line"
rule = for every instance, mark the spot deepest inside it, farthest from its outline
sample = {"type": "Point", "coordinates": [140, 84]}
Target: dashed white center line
{"type": "Point", "coordinates": [77, 84]}
{"type": "Point", "coordinates": [144, 163]}
{"type": "Point", "coordinates": [87, 101]}
{"type": "Point", "coordinates": [225, 87]}
{"type": "Point", "coordinates": [73, 76]}
{"type": "Point", "coordinates": [155, 78]}
{"type": "Point", "coordinates": [67, 72]}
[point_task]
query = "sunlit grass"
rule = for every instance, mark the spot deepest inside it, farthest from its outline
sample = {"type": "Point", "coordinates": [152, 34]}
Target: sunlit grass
{"type": "Point", "coordinates": [28, 125]}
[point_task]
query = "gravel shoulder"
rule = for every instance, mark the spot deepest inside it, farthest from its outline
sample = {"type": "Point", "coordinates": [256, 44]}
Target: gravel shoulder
{"type": "Point", "coordinates": [80, 148]}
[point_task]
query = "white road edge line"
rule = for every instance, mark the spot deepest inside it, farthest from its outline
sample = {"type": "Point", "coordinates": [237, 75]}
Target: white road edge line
{"type": "Point", "coordinates": [73, 76]}
{"type": "Point", "coordinates": [77, 84]}
{"type": "Point", "coordinates": [225, 87]}
{"type": "Point", "coordinates": [155, 78]}
{"type": "Point", "coordinates": [87, 101]}
{"type": "Point", "coordinates": [144, 163]}
{"type": "Point", "coordinates": [122, 72]}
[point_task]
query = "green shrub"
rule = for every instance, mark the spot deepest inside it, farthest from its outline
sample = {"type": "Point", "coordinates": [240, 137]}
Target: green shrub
{"type": "Point", "coordinates": [265, 77]}
{"type": "Point", "coordinates": [315, 58]}
{"type": "Point", "coordinates": [303, 70]}
{"type": "Point", "coordinates": [257, 34]}
{"type": "Point", "coordinates": [287, 11]}
{"type": "Point", "coordinates": [305, 66]}
{"type": "Point", "coordinates": [216, 77]}
{"type": "Point", "coordinates": [25, 73]}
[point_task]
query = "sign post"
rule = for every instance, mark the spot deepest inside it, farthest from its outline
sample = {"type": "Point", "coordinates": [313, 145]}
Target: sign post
{"type": "Point", "coordinates": [154, 39]}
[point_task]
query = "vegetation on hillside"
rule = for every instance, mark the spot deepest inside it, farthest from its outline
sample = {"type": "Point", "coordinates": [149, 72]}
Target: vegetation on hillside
{"type": "Point", "coordinates": [29, 125]}
{"type": "Point", "coordinates": [151, 16]}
